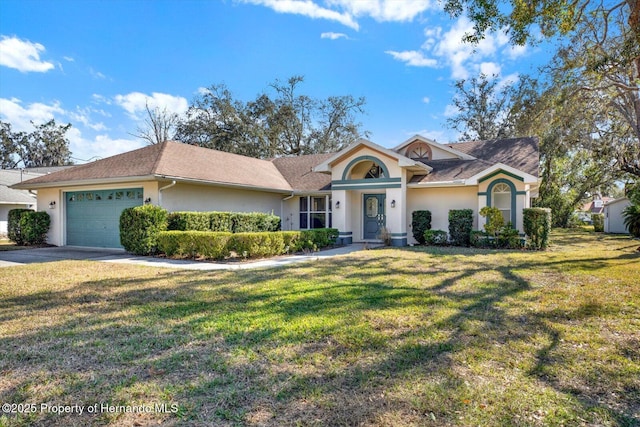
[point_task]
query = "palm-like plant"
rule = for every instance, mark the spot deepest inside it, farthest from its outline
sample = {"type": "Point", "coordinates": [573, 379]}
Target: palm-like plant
{"type": "Point", "coordinates": [631, 216]}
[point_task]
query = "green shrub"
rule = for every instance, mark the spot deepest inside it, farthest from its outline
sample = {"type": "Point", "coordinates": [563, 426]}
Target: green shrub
{"type": "Point", "coordinates": [140, 227]}
{"type": "Point", "coordinates": [28, 227]}
{"type": "Point", "coordinates": [254, 222]}
{"type": "Point", "coordinates": [495, 220]}
{"type": "Point", "coordinates": [13, 225]}
{"type": "Point", "coordinates": [508, 238]}
{"type": "Point", "coordinates": [188, 221]}
{"type": "Point", "coordinates": [193, 244]}
{"type": "Point", "coordinates": [435, 237]}
{"type": "Point", "coordinates": [219, 245]}
{"type": "Point", "coordinates": [420, 222]}
{"type": "Point", "coordinates": [481, 239]}
{"type": "Point", "coordinates": [598, 222]}
{"type": "Point", "coordinates": [537, 227]}
{"type": "Point", "coordinates": [220, 221]}
{"type": "Point", "coordinates": [460, 226]}
{"type": "Point", "coordinates": [257, 245]}
{"type": "Point", "coordinates": [631, 216]}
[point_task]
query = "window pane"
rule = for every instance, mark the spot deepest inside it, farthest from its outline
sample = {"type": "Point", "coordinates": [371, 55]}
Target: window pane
{"type": "Point", "coordinates": [303, 204]}
{"type": "Point", "coordinates": [318, 220]}
{"type": "Point", "coordinates": [303, 221]}
{"type": "Point", "coordinates": [502, 200]}
{"type": "Point", "coordinates": [319, 204]}
{"type": "Point", "coordinates": [506, 214]}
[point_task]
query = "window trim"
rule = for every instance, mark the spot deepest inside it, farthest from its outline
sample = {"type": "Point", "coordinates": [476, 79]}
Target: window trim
{"type": "Point", "coordinates": [512, 187]}
{"type": "Point", "coordinates": [309, 212]}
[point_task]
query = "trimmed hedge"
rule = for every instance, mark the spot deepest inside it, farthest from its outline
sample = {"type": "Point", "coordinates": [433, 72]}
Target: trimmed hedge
{"type": "Point", "coordinates": [28, 227]}
{"type": "Point", "coordinates": [232, 222]}
{"type": "Point", "coordinates": [13, 226]}
{"type": "Point", "coordinates": [220, 245]}
{"type": "Point", "coordinates": [140, 227]}
{"type": "Point", "coordinates": [460, 226]}
{"type": "Point", "coordinates": [495, 220]}
{"type": "Point", "coordinates": [435, 237]}
{"type": "Point", "coordinates": [598, 222]}
{"type": "Point", "coordinates": [192, 244]}
{"type": "Point", "coordinates": [537, 226]}
{"type": "Point", "coordinates": [420, 222]}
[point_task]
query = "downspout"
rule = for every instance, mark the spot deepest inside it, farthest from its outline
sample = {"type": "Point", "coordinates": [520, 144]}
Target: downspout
{"type": "Point", "coordinates": [160, 190]}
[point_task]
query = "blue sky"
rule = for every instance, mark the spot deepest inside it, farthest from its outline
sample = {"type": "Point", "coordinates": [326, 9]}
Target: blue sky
{"type": "Point", "coordinates": [95, 64]}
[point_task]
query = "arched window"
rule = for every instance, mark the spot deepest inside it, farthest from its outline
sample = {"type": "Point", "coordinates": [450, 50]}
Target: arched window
{"type": "Point", "coordinates": [419, 151]}
{"type": "Point", "coordinates": [501, 198]}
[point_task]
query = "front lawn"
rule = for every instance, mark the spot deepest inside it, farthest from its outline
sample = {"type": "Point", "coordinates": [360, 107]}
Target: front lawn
{"type": "Point", "coordinates": [388, 337]}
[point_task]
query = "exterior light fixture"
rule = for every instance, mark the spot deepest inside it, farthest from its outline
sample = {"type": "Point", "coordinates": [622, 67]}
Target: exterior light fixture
{"type": "Point", "coordinates": [147, 200]}
{"type": "Point", "coordinates": [338, 204]}
{"type": "Point", "coordinates": [393, 203]}
{"type": "Point", "coordinates": [52, 204]}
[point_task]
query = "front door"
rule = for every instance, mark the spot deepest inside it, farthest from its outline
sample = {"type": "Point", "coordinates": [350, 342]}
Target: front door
{"type": "Point", "coordinates": [374, 216]}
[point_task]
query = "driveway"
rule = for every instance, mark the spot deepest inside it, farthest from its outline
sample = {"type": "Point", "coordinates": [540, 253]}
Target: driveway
{"type": "Point", "coordinates": [37, 255]}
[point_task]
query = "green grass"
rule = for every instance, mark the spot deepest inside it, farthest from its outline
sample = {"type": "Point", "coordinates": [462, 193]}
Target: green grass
{"type": "Point", "coordinates": [412, 336]}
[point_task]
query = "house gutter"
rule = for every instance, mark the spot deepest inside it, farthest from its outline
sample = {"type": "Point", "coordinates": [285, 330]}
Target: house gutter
{"type": "Point", "coordinates": [161, 189]}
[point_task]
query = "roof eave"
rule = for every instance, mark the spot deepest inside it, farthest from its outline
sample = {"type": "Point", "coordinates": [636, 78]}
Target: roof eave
{"type": "Point", "coordinates": [80, 182]}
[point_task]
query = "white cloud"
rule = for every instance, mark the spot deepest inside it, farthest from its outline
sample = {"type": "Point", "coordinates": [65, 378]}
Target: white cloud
{"type": "Point", "coordinates": [96, 74]}
{"type": "Point", "coordinates": [490, 69]}
{"type": "Point", "coordinates": [333, 36]}
{"type": "Point", "coordinates": [426, 100]}
{"type": "Point", "coordinates": [447, 48]}
{"type": "Point", "coordinates": [451, 110]}
{"type": "Point", "coordinates": [135, 103]}
{"type": "Point", "coordinates": [68, 58]}
{"type": "Point", "coordinates": [413, 58]}
{"type": "Point", "coordinates": [101, 146]}
{"type": "Point", "coordinates": [23, 55]}
{"type": "Point", "coordinates": [309, 9]}
{"type": "Point", "coordinates": [20, 117]}
{"type": "Point", "coordinates": [384, 10]}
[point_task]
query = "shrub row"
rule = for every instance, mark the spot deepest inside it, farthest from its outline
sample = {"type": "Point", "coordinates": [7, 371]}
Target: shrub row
{"type": "Point", "coordinates": [536, 224]}
{"type": "Point", "coordinates": [232, 222]}
{"type": "Point", "coordinates": [219, 245]}
{"type": "Point", "coordinates": [28, 227]}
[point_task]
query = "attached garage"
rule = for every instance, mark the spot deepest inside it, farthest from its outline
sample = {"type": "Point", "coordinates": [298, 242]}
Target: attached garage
{"type": "Point", "coordinates": [93, 217]}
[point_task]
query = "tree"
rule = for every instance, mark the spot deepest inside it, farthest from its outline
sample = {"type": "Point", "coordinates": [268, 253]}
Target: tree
{"type": "Point", "coordinates": [46, 145]}
{"type": "Point", "coordinates": [603, 51]}
{"type": "Point", "coordinates": [159, 125]}
{"type": "Point", "coordinates": [283, 124]}
{"type": "Point", "coordinates": [488, 110]}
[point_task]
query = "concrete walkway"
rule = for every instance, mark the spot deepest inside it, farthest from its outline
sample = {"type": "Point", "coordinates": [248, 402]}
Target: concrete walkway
{"type": "Point", "coordinates": [30, 256]}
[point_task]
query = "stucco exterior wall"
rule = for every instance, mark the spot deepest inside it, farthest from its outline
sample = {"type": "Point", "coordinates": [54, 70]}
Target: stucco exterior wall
{"type": "Point", "coordinates": [201, 198]}
{"type": "Point", "coordinates": [439, 201]}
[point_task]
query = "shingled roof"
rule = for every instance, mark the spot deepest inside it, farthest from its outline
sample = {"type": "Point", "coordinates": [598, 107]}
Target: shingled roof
{"type": "Point", "coordinates": [518, 153]}
{"type": "Point", "coordinates": [298, 171]}
{"type": "Point", "coordinates": [172, 160]}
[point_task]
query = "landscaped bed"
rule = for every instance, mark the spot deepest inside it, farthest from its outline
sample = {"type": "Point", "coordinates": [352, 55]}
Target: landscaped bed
{"type": "Point", "coordinates": [410, 336]}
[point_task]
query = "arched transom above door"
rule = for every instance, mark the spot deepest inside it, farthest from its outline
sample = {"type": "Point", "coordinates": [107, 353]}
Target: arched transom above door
{"type": "Point", "coordinates": [365, 167]}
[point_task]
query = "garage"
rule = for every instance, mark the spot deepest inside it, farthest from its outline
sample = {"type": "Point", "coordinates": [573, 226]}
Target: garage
{"type": "Point", "coordinates": [93, 217]}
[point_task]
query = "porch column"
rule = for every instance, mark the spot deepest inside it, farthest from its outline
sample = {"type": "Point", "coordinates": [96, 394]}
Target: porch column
{"type": "Point", "coordinates": [396, 215]}
{"type": "Point", "coordinates": [340, 216]}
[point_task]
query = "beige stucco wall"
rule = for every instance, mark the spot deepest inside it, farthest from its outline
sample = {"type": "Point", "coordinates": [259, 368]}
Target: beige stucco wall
{"type": "Point", "coordinates": [202, 198]}
{"type": "Point", "coordinates": [338, 169]}
{"type": "Point", "coordinates": [439, 201]}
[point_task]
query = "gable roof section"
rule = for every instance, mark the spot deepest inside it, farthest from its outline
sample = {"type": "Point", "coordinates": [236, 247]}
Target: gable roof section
{"type": "Point", "coordinates": [519, 153]}
{"type": "Point", "coordinates": [298, 171]}
{"type": "Point", "coordinates": [448, 148]}
{"type": "Point", "coordinates": [171, 160]}
{"type": "Point", "coordinates": [402, 160]}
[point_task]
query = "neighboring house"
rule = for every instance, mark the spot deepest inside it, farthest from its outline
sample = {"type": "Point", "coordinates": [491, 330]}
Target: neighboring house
{"type": "Point", "coordinates": [613, 219]}
{"type": "Point", "coordinates": [11, 198]}
{"type": "Point", "coordinates": [595, 206]}
{"type": "Point", "coordinates": [358, 190]}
